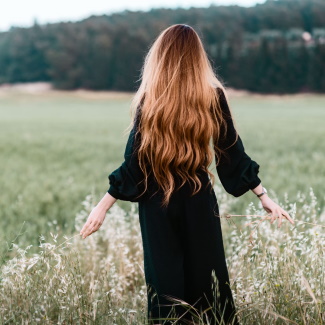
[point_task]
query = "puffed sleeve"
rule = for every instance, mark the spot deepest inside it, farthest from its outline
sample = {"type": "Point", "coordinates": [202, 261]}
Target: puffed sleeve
{"type": "Point", "coordinates": [125, 180]}
{"type": "Point", "coordinates": [237, 172]}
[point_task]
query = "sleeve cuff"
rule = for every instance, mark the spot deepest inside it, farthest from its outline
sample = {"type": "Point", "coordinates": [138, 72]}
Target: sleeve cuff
{"type": "Point", "coordinates": [113, 192]}
{"type": "Point", "coordinates": [244, 189]}
{"type": "Point", "coordinates": [255, 184]}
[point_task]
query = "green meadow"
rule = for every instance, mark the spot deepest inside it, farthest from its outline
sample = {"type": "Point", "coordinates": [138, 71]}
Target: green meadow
{"type": "Point", "coordinates": [57, 150]}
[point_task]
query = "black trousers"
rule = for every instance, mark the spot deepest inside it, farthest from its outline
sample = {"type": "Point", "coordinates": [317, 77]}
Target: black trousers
{"type": "Point", "coordinates": [183, 249]}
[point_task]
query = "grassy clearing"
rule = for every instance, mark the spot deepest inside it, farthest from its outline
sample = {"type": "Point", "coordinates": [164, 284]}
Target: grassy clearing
{"type": "Point", "coordinates": [58, 149]}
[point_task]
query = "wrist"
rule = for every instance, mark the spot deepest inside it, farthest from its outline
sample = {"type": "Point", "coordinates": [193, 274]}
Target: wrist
{"type": "Point", "coordinates": [103, 205]}
{"type": "Point", "coordinates": [263, 197]}
{"type": "Point", "coordinates": [262, 193]}
{"type": "Point", "coordinates": [106, 202]}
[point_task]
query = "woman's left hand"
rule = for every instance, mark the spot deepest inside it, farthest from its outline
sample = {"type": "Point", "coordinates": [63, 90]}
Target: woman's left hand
{"type": "Point", "coordinates": [94, 221]}
{"type": "Point", "coordinates": [276, 211]}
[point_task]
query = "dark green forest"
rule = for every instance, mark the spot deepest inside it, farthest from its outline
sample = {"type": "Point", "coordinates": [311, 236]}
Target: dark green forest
{"type": "Point", "coordinates": [274, 47]}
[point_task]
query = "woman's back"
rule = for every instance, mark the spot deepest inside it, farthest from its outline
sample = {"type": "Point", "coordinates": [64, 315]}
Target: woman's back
{"type": "Point", "coordinates": [237, 172]}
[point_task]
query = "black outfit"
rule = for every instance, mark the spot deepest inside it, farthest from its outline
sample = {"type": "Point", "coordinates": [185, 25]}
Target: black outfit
{"type": "Point", "coordinates": [183, 242]}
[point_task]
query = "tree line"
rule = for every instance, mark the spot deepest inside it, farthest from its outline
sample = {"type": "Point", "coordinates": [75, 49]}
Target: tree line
{"type": "Point", "coordinates": [274, 47]}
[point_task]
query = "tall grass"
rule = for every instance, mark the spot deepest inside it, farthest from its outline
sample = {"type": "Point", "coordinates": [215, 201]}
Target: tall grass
{"type": "Point", "coordinates": [277, 275]}
{"type": "Point", "coordinates": [57, 151]}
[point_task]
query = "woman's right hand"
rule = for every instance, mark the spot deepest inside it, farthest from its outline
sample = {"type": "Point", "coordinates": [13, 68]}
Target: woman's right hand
{"type": "Point", "coordinates": [97, 215]}
{"type": "Point", "coordinates": [276, 211]}
{"type": "Point", "coordinates": [94, 221]}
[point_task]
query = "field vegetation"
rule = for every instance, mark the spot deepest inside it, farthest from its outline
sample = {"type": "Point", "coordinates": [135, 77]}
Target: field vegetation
{"type": "Point", "coordinates": [57, 149]}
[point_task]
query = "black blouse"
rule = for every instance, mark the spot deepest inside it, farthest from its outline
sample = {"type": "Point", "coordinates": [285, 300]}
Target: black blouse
{"type": "Point", "coordinates": [126, 182]}
{"type": "Point", "coordinates": [236, 170]}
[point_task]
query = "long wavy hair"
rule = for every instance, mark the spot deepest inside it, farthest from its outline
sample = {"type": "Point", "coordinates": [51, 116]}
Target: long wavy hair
{"type": "Point", "coordinates": [179, 111]}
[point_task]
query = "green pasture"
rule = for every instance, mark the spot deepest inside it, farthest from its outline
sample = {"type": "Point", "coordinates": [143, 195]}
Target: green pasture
{"type": "Point", "coordinates": [58, 148]}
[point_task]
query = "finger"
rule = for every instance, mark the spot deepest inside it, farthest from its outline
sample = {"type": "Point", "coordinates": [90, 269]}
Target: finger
{"type": "Point", "coordinates": [90, 231]}
{"type": "Point", "coordinates": [87, 225]}
{"type": "Point", "coordinates": [91, 227]}
{"type": "Point", "coordinates": [280, 218]}
{"type": "Point", "coordinates": [273, 216]}
{"type": "Point", "coordinates": [94, 229]}
{"type": "Point", "coordinates": [83, 228]}
{"type": "Point", "coordinates": [286, 214]}
{"type": "Point", "coordinates": [86, 232]}
{"type": "Point", "coordinates": [89, 222]}
{"type": "Point", "coordinates": [97, 225]}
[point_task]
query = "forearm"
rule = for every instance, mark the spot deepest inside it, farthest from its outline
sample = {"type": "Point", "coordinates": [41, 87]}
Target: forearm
{"type": "Point", "coordinates": [106, 202]}
{"type": "Point", "coordinates": [258, 190]}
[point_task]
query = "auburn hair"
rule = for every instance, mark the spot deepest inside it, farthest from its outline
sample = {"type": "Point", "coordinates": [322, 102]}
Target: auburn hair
{"type": "Point", "coordinates": [179, 110]}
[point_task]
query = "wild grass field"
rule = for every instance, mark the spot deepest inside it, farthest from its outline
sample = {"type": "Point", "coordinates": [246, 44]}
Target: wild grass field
{"type": "Point", "coordinates": [57, 149]}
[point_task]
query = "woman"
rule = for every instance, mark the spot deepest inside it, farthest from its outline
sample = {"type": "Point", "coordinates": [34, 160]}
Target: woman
{"type": "Point", "coordinates": [179, 106]}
